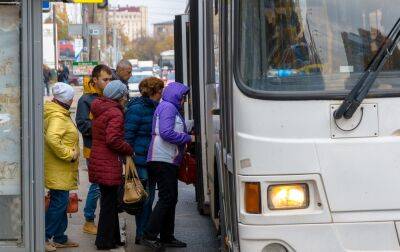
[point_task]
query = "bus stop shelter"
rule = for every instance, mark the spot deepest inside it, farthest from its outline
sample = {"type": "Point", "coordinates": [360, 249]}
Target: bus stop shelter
{"type": "Point", "coordinates": [21, 137]}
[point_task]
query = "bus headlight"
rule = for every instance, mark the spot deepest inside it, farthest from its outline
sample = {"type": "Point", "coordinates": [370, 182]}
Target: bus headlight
{"type": "Point", "coordinates": [288, 196]}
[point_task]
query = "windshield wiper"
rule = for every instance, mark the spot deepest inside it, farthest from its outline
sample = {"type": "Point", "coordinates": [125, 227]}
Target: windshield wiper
{"type": "Point", "coordinates": [364, 84]}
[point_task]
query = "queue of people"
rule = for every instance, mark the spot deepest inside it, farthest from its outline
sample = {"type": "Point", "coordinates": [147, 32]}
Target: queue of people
{"type": "Point", "coordinates": [149, 129]}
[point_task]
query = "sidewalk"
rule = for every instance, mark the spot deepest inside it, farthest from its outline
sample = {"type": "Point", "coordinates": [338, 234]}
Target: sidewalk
{"type": "Point", "coordinates": [191, 227]}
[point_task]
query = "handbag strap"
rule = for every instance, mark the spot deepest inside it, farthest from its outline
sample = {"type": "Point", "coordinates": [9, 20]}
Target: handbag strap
{"type": "Point", "coordinates": [130, 171]}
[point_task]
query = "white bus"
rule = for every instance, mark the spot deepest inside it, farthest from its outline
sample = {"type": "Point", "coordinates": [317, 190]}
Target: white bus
{"type": "Point", "coordinates": [277, 170]}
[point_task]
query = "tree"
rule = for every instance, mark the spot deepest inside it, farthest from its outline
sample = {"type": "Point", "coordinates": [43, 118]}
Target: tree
{"type": "Point", "coordinates": [62, 22]}
{"type": "Point", "coordinates": [149, 48]}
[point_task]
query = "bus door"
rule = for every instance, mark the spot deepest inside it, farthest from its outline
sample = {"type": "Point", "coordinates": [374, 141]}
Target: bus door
{"type": "Point", "coordinates": [188, 62]}
{"type": "Point", "coordinates": [228, 179]}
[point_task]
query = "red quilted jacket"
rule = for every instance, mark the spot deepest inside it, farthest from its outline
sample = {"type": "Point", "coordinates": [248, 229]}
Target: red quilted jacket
{"type": "Point", "coordinates": [109, 147]}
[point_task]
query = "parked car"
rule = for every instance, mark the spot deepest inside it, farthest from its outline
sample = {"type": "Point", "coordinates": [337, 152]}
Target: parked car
{"type": "Point", "coordinates": [134, 81]}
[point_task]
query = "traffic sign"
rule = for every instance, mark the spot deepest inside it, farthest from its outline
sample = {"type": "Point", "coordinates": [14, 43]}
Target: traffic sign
{"type": "Point", "coordinates": [45, 6]}
{"type": "Point", "coordinates": [95, 29]}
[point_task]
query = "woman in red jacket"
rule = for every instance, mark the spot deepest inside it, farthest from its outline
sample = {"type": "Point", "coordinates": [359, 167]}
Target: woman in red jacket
{"type": "Point", "coordinates": [105, 167]}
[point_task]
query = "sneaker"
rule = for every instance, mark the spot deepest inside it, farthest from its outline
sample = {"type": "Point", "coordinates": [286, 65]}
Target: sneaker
{"type": "Point", "coordinates": [154, 244]}
{"type": "Point", "coordinates": [67, 244]}
{"type": "Point", "coordinates": [90, 228]}
{"type": "Point", "coordinates": [49, 247]}
{"type": "Point", "coordinates": [174, 243]}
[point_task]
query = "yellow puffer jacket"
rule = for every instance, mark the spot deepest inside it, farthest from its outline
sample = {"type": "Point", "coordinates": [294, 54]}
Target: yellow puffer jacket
{"type": "Point", "coordinates": [60, 140]}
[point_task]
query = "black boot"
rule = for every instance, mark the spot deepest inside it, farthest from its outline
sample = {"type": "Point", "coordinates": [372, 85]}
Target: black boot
{"type": "Point", "coordinates": [151, 243]}
{"type": "Point", "coordinates": [174, 243]}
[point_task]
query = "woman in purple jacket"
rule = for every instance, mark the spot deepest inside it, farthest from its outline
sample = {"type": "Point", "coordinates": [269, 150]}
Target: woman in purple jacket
{"type": "Point", "coordinates": [169, 138]}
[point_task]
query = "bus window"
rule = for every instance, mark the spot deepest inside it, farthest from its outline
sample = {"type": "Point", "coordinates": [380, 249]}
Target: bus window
{"type": "Point", "coordinates": [314, 45]}
{"type": "Point", "coordinates": [212, 42]}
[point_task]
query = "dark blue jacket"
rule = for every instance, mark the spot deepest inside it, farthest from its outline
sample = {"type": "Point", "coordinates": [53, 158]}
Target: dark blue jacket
{"type": "Point", "coordinates": [138, 126]}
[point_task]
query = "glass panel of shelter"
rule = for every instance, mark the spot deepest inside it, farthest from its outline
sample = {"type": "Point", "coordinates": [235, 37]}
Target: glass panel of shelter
{"type": "Point", "coordinates": [10, 124]}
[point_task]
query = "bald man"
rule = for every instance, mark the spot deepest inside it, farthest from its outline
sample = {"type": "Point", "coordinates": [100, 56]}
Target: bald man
{"type": "Point", "coordinates": [123, 71]}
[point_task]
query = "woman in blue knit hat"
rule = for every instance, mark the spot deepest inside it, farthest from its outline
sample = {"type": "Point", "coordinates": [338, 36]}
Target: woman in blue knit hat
{"type": "Point", "coordinates": [109, 149]}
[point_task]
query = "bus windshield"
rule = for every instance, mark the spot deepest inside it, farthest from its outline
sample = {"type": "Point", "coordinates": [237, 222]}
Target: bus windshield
{"type": "Point", "coordinates": [305, 46]}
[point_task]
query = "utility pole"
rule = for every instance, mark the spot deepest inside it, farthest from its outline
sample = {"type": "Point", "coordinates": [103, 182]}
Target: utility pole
{"type": "Point", "coordinates": [92, 54]}
{"type": "Point", "coordinates": [96, 17]}
{"type": "Point", "coordinates": [85, 33]}
{"type": "Point", "coordinates": [115, 46]}
{"type": "Point", "coordinates": [55, 35]}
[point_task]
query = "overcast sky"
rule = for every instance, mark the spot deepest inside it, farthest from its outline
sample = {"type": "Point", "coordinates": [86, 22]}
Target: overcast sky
{"type": "Point", "coordinates": [159, 10]}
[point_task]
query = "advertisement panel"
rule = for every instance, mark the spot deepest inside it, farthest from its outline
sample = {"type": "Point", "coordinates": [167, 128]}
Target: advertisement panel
{"type": "Point", "coordinates": [78, 45]}
{"type": "Point", "coordinates": [49, 57]}
{"type": "Point", "coordinates": [66, 50]}
{"type": "Point", "coordinates": [83, 68]}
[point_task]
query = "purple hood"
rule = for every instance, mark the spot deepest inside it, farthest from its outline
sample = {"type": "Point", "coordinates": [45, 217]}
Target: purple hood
{"type": "Point", "coordinates": [169, 133]}
{"type": "Point", "coordinates": [174, 93]}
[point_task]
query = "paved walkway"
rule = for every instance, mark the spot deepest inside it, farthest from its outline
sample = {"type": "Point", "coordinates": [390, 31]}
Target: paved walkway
{"type": "Point", "coordinates": [191, 227]}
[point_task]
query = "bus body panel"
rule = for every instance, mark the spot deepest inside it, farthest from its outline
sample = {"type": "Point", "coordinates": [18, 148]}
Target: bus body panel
{"type": "Point", "coordinates": [372, 236]}
{"type": "Point", "coordinates": [294, 137]}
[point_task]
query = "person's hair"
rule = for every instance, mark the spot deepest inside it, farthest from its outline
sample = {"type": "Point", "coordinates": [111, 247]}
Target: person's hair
{"type": "Point", "coordinates": [100, 68]}
{"type": "Point", "coordinates": [150, 86]}
{"type": "Point", "coordinates": [124, 64]}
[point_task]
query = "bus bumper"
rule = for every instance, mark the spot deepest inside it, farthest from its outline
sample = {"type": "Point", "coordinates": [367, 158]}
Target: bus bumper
{"type": "Point", "coordinates": [335, 237]}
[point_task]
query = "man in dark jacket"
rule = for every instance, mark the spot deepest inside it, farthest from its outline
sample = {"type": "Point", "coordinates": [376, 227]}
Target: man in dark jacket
{"type": "Point", "coordinates": [101, 76]}
{"type": "Point", "coordinates": [138, 126]}
{"type": "Point", "coordinates": [123, 72]}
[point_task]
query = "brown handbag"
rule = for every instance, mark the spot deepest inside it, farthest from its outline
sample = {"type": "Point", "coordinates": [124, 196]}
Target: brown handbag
{"type": "Point", "coordinates": [133, 188]}
{"type": "Point", "coordinates": [72, 202]}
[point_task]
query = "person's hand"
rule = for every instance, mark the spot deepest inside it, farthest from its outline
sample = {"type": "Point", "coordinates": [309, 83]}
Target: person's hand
{"type": "Point", "coordinates": [77, 153]}
{"type": "Point", "coordinates": [193, 138]}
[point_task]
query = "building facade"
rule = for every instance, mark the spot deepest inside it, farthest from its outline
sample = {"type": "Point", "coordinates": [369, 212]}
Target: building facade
{"type": "Point", "coordinates": [164, 29]}
{"type": "Point", "coordinates": [132, 20]}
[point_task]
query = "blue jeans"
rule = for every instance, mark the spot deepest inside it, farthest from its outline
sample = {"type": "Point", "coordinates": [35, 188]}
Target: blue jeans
{"type": "Point", "coordinates": [56, 216]}
{"type": "Point", "coordinates": [143, 217]}
{"type": "Point", "coordinates": [91, 200]}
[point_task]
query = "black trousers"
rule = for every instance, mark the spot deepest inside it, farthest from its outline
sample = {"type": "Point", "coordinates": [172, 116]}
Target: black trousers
{"type": "Point", "coordinates": [162, 219]}
{"type": "Point", "coordinates": [108, 235]}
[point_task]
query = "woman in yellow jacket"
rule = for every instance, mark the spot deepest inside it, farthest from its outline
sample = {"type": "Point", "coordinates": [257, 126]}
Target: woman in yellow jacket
{"type": "Point", "coordinates": [61, 153]}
